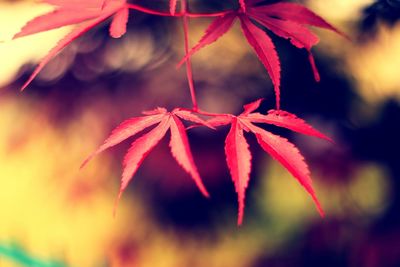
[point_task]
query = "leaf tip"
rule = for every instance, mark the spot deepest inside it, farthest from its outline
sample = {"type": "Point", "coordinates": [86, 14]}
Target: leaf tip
{"type": "Point", "coordinates": [240, 213]}
{"type": "Point", "coordinates": [16, 36]}
{"type": "Point", "coordinates": [205, 193]}
{"type": "Point", "coordinates": [85, 162]}
{"type": "Point", "coordinates": [317, 76]}
{"type": "Point", "coordinates": [89, 158]}
{"type": "Point", "coordinates": [320, 210]}
{"type": "Point", "coordinates": [116, 203]}
{"type": "Point", "coordinates": [318, 205]}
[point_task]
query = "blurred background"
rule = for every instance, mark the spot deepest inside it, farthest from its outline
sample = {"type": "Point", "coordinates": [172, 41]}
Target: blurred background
{"type": "Point", "coordinates": [53, 215]}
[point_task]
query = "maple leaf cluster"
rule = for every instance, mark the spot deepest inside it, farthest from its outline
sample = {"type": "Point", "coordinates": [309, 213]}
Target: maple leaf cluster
{"type": "Point", "coordinates": [284, 19]}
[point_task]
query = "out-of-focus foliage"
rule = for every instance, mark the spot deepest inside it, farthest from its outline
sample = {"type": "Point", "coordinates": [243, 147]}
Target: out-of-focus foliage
{"type": "Point", "coordinates": [380, 11]}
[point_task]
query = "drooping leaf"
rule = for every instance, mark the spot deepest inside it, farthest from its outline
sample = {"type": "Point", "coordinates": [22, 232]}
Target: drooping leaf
{"type": "Point", "coordinates": [88, 13]}
{"type": "Point", "coordinates": [299, 35]}
{"type": "Point", "coordinates": [139, 149]}
{"type": "Point", "coordinates": [217, 28]}
{"type": "Point", "coordinates": [266, 52]}
{"type": "Point", "coordinates": [238, 155]}
{"type": "Point", "coordinates": [297, 13]}
{"type": "Point", "coordinates": [287, 120]}
{"type": "Point", "coordinates": [56, 19]}
{"type": "Point", "coordinates": [238, 158]}
{"type": "Point", "coordinates": [119, 22]}
{"type": "Point", "coordinates": [180, 149]}
{"type": "Point", "coordinates": [143, 145]}
{"type": "Point", "coordinates": [77, 32]}
{"type": "Point", "coordinates": [125, 130]}
{"type": "Point", "coordinates": [289, 156]}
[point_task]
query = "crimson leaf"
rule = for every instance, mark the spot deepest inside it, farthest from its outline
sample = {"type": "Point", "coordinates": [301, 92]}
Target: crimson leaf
{"type": "Point", "coordinates": [265, 51]}
{"type": "Point", "coordinates": [89, 13]}
{"type": "Point", "coordinates": [289, 156]}
{"type": "Point", "coordinates": [143, 145]}
{"type": "Point", "coordinates": [238, 155]}
{"type": "Point", "coordinates": [238, 158]}
{"type": "Point", "coordinates": [286, 20]}
{"type": "Point", "coordinates": [297, 13]}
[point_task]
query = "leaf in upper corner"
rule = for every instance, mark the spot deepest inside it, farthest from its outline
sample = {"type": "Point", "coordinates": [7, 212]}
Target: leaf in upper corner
{"type": "Point", "coordinates": [143, 145]}
{"type": "Point", "coordinates": [266, 52]}
{"type": "Point", "coordinates": [88, 13]}
{"type": "Point", "coordinates": [69, 13]}
{"type": "Point", "coordinates": [287, 20]}
{"type": "Point", "coordinates": [299, 35]}
{"type": "Point", "coordinates": [81, 29]}
{"type": "Point", "coordinates": [297, 13]}
{"type": "Point", "coordinates": [238, 158]}
{"type": "Point", "coordinates": [58, 18]}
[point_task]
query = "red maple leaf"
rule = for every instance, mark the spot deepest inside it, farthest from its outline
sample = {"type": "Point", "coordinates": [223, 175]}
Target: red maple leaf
{"type": "Point", "coordinates": [287, 20]}
{"type": "Point", "coordinates": [87, 13]}
{"type": "Point", "coordinates": [143, 145]}
{"type": "Point", "coordinates": [238, 155]}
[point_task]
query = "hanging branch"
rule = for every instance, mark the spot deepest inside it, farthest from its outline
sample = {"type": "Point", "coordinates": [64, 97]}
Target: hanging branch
{"type": "Point", "coordinates": [189, 72]}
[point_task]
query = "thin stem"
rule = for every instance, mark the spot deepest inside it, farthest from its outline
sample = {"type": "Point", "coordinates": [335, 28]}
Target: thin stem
{"type": "Point", "coordinates": [189, 72]}
{"type": "Point", "coordinates": [208, 15]}
{"type": "Point", "coordinates": [180, 14]}
{"type": "Point", "coordinates": [206, 113]}
{"type": "Point", "coordinates": [185, 15]}
{"type": "Point", "coordinates": [151, 11]}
